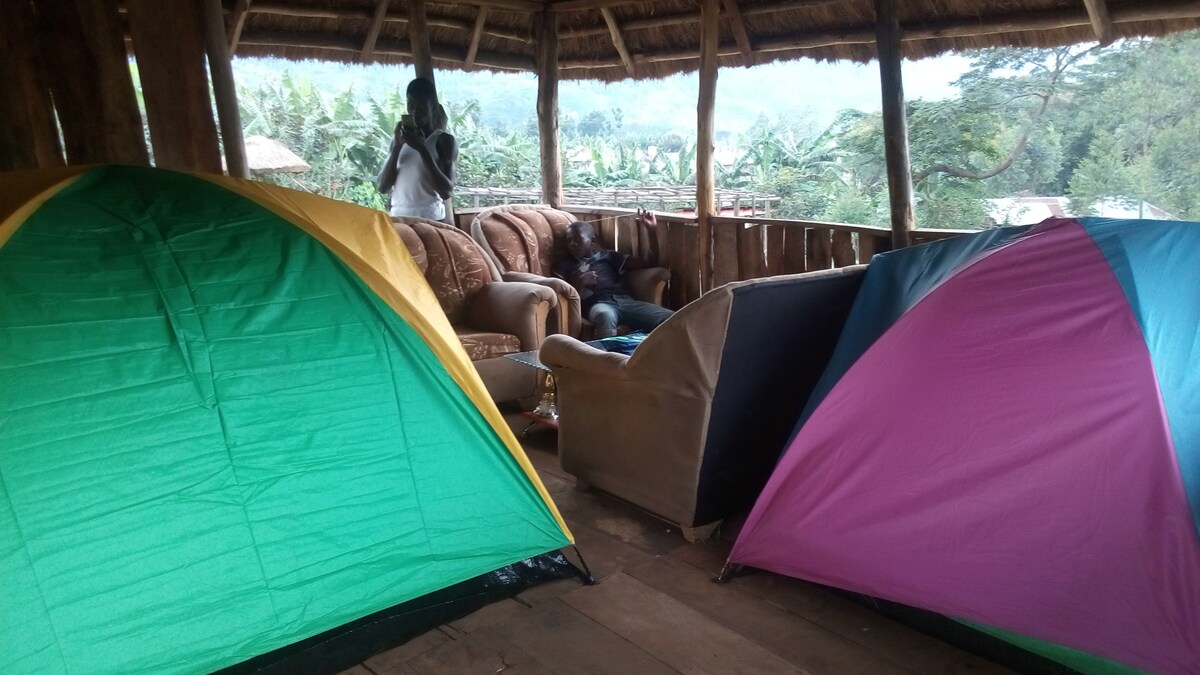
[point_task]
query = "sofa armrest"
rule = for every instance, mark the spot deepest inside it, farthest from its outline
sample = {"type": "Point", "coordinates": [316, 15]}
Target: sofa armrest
{"type": "Point", "coordinates": [561, 352]}
{"type": "Point", "coordinates": [514, 308]}
{"type": "Point", "coordinates": [569, 314]}
{"type": "Point", "coordinates": [649, 284]}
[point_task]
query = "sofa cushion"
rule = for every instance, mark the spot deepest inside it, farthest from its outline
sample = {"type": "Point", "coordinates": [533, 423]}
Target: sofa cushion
{"type": "Point", "coordinates": [513, 244]}
{"type": "Point", "coordinates": [456, 268]}
{"type": "Point", "coordinates": [480, 345]}
{"type": "Point", "coordinates": [411, 241]}
{"type": "Point", "coordinates": [527, 240]}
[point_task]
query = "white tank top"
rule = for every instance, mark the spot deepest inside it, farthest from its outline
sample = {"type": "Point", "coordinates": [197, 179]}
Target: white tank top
{"type": "Point", "coordinates": [413, 193]}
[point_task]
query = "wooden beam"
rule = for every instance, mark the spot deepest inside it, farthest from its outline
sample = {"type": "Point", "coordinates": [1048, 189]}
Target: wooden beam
{"type": "Point", "coordinates": [381, 7]}
{"type": "Point", "coordinates": [90, 82]}
{"type": "Point", "coordinates": [283, 9]}
{"type": "Point", "coordinates": [418, 37]}
{"type": "Point", "coordinates": [473, 50]}
{"type": "Point", "coordinates": [506, 5]}
{"type": "Point", "coordinates": [865, 35]}
{"type": "Point", "coordinates": [688, 18]}
{"type": "Point", "coordinates": [384, 47]}
{"type": "Point", "coordinates": [237, 22]}
{"type": "Point", "coordinates": [619, 42]}
{"type": "Point", "coordinates": [168, 42]}
{"type": "Point", "coordinates": [224, 91]}
{"type": "Point", "coordinates": [547, 109]}
{"type": "Point", "coordinates": [739, 32]}
{"type": "Point", "coordinates": [576, 5]}
{"type": "Point", "coordinates": [28, 135]}
{"type": "Point", "coordinates": [1101, 23]}
{"type": "Point", "coordinates": [705, 106]}
{"type": "Point", "coordinates": [895, 126]}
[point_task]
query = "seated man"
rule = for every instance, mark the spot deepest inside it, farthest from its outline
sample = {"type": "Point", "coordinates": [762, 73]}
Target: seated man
{"type": "Point", "coordinates": [598, 275]}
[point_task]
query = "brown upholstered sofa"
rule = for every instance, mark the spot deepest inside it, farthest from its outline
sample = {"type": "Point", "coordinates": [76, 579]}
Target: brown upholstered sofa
{"type": "Point", "coordinates": [690, 426]}
{"type": "Point", "coordinates": [492, 317]}
{"type": "Point", "coordinates": [526, 241]}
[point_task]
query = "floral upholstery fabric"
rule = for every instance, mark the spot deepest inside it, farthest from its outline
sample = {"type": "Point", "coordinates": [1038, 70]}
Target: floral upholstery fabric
{"type": "Point", "coordinates": [527, 240]}
{"type": "Point", "coordinates": [416, 248]}
{"type": "Point", "coordinates": [480, 346]}
{"type": "Point", "coordinates": [455, 268]}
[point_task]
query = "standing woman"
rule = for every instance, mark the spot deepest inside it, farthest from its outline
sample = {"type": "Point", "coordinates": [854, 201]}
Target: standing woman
{"type": "Point", "coordinates": [419, 171]}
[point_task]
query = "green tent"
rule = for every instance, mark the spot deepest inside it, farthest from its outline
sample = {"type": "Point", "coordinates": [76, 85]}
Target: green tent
{"type": "Point", "coordinates": [233, 422]}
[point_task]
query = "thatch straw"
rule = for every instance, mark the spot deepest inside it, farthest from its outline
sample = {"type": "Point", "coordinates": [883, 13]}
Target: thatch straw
{"type": "Point", "coordinates": [264, 155]}
{"type": "Point", "coordinates": [662, 36]}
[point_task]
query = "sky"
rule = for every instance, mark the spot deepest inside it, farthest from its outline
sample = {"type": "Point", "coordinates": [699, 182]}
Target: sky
{"type": "Point", "coordinates": [806, 91]}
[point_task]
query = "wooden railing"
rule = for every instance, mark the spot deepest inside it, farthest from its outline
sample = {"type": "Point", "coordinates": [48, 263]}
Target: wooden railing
{"type": "Point", "coordinates": [743, 248]}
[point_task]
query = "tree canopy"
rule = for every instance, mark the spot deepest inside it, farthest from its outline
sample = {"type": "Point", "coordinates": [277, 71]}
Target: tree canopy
{"type": "Point", "coordinates": [1093, 124]}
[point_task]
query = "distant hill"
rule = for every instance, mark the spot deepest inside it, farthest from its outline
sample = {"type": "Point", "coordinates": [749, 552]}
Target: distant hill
{"type": "Point", "coordinates": [804, 90]}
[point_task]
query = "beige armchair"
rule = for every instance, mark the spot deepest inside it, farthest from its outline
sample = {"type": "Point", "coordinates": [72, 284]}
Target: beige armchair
{"type": "Point", "coordinates": [526, 241]}
{"type": "Point", "coordinates": [690, 426]}
{"type": "Point", "coordinates": [491, 317]}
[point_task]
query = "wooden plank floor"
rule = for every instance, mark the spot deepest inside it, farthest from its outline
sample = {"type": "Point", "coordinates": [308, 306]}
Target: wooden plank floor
{"type": "Point", "coordinates": [656, 611]}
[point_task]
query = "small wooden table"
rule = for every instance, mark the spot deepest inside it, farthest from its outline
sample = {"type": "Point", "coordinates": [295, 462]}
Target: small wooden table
{"type": "Point", "coordinates": [624, 343]}
{"type": "Point", "coordinates": [536, 420]}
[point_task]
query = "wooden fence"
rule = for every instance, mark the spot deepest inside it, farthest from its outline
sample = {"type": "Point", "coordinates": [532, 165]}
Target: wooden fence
{"type": "Point", "coordinates": [743, 248]}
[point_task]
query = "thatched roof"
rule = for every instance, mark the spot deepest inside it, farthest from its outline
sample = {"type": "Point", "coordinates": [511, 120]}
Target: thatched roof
{"type": "Point", "coordinates": [662, 37]}
{"type": "Point", "coordinates": [266, 155]}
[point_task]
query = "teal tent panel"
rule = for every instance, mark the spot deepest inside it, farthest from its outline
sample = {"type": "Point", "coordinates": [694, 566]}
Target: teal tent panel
{"type": "Point", "coordinates": [1155, 262]}
{"type": "Point", "coordinates": [219, 441]}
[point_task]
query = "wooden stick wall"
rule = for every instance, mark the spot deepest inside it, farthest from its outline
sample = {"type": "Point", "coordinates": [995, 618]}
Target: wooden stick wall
{"type": "Point", "coordinates": [66, 64]}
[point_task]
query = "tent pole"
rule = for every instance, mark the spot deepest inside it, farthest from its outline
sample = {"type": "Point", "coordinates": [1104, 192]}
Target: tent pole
{"type": "Point", "coordinates": [895, 126]}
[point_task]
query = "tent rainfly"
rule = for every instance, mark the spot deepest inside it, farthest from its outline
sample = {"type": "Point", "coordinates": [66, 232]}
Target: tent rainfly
{"type": "Point", "coordinates": [237, 431]}
{"type": "Point", "coordinates": [1042, 480]}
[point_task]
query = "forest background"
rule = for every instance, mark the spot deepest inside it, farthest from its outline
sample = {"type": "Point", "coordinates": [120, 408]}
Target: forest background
{"type": "Point", "coordinates": [1094, 124]}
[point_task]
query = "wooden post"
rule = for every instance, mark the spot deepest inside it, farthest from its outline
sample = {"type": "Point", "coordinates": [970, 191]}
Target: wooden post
{"type": "Point", "coordinates": [225, 91]}
{"type": "Point", "coordinates": [705, 104]}
{"type": "Point", "coordinates": [895, 125]}
{"type": "Point", "coordinates": [480, 20]}
{"type": "Point", "coordinates": [169, 45]}
{"type": "Point", "coordinates": [1101, 22]}
{"type": "Point", "coordinates": [739, 32]}
{"type": "Point", "coordinates": [618, 40]}
{"type": "Point", "coordinates": [368, 50]}
{"type": "Point", "coordinates": [418, 37]}
{"type": "Point", "coordinates": [237, 22]}
{"type": "Point", "coordinates": [89, 79]}
{"type": "Point", "coordinates": [28, 137]}
{"type": "Point", "coordinates": [547, 109]}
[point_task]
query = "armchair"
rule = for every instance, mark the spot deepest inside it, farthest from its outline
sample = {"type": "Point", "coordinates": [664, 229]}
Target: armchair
{"type": "Point", "coordinates": [491, 317]}
{"type": "Point", "coordinates": [690, 426]}
{"type": "Point", "coordinates": [525, 241]}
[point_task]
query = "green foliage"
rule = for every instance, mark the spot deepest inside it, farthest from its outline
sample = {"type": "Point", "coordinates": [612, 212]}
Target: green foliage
{"type": "Point", "coordinates": [1119, 123]}
{"type": "Point", "coordinates": [341, 143]}
{"type": "Point", "coordinates": [944, 202]}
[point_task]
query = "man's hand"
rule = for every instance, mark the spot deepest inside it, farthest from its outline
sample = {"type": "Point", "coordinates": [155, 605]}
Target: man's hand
{"type": "Point", "coordinates": [398, 135]}
{"type": "Point", "coordinates": [648, 218]}
{"type": "Point", "coordinates": [412, 135]}
{"type": "Point", "coordinates": [587, 279]}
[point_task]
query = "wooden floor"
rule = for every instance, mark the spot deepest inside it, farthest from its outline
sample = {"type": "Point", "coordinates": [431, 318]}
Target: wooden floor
{"type": "Point", "coordinates": [657, 611]}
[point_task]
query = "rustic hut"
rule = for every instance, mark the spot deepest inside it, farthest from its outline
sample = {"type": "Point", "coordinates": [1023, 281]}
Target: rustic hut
{"type": "Point", "coordinates": [86, 90]}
